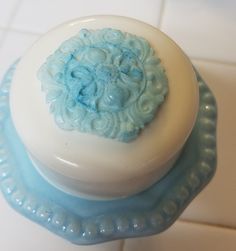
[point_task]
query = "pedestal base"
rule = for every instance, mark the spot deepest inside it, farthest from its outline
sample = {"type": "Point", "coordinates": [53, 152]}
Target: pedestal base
{"type": "Point", "coordinates": [84, 221]}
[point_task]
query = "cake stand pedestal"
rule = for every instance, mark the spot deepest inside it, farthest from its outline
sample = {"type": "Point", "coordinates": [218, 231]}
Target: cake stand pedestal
{"type": "Point", "coordinates": [84, 222]}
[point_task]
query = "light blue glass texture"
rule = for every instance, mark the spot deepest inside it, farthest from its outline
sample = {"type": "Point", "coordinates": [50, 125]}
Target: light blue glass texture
{"type": "Point", "coordinates": [87, 222]}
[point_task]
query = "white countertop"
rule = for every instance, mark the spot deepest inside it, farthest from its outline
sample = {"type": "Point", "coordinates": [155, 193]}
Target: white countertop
{"type": "Point", "coordinates": [206, 30]}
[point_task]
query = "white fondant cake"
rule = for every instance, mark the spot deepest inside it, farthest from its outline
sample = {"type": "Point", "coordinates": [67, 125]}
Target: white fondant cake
{"type": "Point", "coordinates": [87, 165]}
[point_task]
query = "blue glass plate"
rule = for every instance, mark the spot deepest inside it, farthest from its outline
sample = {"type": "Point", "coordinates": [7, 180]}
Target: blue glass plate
{"type": "Point", "coordinates": [84, 221]}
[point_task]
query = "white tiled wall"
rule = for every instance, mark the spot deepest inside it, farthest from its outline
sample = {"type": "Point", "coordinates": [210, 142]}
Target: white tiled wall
{"type": "Point", "coordinates": [7, 11]}
{"type": "Point", "coordinates": [13, 46]}
{"type": "Point", "coordinates": [186, 237]}
{"type": "Point", "coordinates": [206, 30]}
{"type": "Point", "coordinates": [1, 35]}
{"type": "Point", "coordinates": [57, 11]}
{"type": "Point", "coordinates": [203, 28]}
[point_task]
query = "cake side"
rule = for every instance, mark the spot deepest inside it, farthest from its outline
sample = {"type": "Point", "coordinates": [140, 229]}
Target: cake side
{"type": "Point", "coordinates": [79, 156]}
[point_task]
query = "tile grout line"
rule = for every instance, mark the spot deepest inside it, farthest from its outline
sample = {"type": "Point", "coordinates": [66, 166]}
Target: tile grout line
{"type": "Point", "coordinates": [208, 224]}
{"type": "Point", "coordinates": [20, 31]}
{"type": "Point", "coordinates": [7, 28]}
{"type": "Point", "coordinates": [2, 38]}
{"type": "Point", "coordinates": [207, 60]}
{"type": "Point", "coordinates": [11, 18]}
{"type": "Point", "coordinates": [13, 13]}
{"type": "Point", "coordinates": [205, 224]}
{"type": "Point", "coordinates": [122, 245]}
{"type": "Point", "coordinates": [162, 10]}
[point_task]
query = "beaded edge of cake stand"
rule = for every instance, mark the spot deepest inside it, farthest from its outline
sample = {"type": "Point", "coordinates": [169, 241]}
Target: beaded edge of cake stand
{"type": "Point", "coordinates": [191, 173]}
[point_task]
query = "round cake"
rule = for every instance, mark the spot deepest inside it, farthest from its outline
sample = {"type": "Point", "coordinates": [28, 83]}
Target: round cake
{"type": "Point", "coordinates": [104, 105]}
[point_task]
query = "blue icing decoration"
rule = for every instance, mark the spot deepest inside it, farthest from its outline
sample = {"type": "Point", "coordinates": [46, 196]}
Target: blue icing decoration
{"type": "Point", "coordinates": [104, 82]}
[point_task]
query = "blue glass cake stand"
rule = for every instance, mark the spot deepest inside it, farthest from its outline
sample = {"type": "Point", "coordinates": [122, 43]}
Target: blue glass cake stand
{"type": "Point", "coordinates": [84, 221]}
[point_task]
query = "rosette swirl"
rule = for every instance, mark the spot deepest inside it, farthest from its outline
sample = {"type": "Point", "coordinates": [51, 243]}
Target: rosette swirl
{"type": "Point", "coordinates": [104, 82]}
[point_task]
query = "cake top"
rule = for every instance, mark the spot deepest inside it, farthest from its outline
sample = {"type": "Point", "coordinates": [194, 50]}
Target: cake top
{"type": "Point", "coordinates": [105, 82]}
{"type": "Point", "coordinates": [80, 155]}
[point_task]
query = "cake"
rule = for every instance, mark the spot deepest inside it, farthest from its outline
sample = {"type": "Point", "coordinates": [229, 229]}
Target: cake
{"type": "Point", "coordinates": [104, 106]}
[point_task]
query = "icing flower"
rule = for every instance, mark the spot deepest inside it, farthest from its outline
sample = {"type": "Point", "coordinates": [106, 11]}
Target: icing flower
{"type": "Point", "coordinates": [104, 82]}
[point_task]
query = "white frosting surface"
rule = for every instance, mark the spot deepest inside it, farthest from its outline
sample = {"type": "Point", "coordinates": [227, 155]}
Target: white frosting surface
{"type": "Point", "coordinates": [108, 168]}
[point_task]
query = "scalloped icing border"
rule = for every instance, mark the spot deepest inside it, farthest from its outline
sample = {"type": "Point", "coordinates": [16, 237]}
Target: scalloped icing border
{"type": "Point", "coordinates": [195, 174]}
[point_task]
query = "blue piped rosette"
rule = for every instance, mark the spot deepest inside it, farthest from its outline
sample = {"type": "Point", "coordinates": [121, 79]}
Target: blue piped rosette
{"type": "Point", "coordinates": [105, 82]}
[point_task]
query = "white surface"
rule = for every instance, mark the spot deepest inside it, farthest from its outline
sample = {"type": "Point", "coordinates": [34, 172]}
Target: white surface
{"type": "Point", "coordinates": [14, 46]}
{"type": "Point", "coordinates": [29, 17]}
{"type": "Point", "coordinates": [186, 237]}
{"type": "Point", "coordinates": [131, 167]}
{"type": "Point", "coordinates": [1, 35]}
{"type": "Point", "coordinates": [203, 28]}
{"type": "Point", "coordinates": [7, 9]}
{"type": "Point", "coordinates": [217, 202]}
